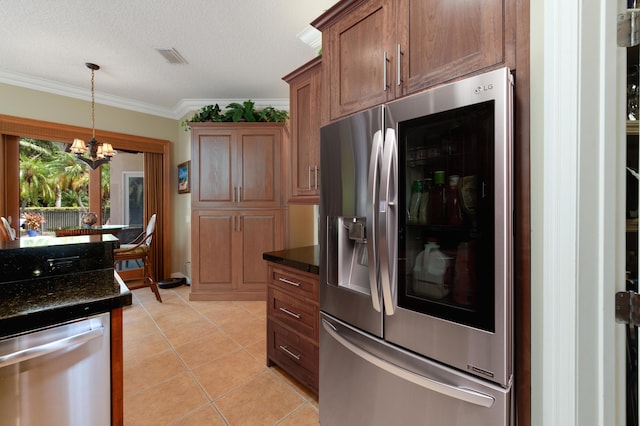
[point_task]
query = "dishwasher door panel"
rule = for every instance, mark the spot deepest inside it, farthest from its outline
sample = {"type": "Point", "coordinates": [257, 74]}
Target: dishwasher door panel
{"type": "Point", "coordinates": [57, 376]}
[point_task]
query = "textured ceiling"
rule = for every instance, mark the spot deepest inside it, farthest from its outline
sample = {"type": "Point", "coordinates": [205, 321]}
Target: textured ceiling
{"type": "Point", "coordinates": [235, 49]}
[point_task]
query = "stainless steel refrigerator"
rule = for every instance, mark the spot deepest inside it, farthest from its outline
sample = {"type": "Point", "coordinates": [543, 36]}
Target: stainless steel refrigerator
{"type": "Point", "coordinates": [416, 259]}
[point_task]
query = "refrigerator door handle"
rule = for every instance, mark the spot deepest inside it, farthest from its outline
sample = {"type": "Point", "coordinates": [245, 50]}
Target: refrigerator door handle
{"type": "Point", "coordinates": [463, 394]}
{"type": "Point", "coordinates": [387, 221]}
{"type": "Point", "coordinates": [375, 164]}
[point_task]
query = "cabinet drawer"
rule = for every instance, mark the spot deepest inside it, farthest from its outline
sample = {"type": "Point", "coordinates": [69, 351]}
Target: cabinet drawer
{"type": "Point", "coordinates": [299, 314]}
{"type": "Point", "coordinates": [292, 352]}
{"type": "Point", "coordinates": [299, 284]}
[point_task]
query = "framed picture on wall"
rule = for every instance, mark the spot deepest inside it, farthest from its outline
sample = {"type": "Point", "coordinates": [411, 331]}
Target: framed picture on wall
{"type": "Point", "coordinates": [184, 177]}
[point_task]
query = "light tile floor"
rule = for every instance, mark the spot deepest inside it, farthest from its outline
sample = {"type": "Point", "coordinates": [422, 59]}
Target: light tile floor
{"type": "Point", "coordinates": [204, 363]}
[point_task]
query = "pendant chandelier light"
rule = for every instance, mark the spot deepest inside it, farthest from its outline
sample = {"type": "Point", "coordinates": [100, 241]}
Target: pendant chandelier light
{"type": "Point", "coordinates": [98, 153]}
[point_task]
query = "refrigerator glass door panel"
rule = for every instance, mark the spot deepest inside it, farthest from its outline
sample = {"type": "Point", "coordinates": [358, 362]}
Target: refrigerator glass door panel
{"type": "Point", "coordinates": [454, 234]}
{"type": "Point", "coordinates": [366, 381]}
{"type": "Point", "coordinates": [351, 157]}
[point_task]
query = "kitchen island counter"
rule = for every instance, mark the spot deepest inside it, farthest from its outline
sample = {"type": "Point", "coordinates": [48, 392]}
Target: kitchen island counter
{"type": "Point", "coordinates": [303, 258]}
{"type": "Point", "coordinates": [53, 283]}
{"type": "Point", "coordinates": [23, 307]}
{"type": "Point", "coordinates": [47, 281]}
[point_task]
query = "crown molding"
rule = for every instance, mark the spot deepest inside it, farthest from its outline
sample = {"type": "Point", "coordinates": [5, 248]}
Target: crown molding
{"type": "Point", "coordinates": [311, 36]}
{"type": "Point", "coordinates": [185, 106]}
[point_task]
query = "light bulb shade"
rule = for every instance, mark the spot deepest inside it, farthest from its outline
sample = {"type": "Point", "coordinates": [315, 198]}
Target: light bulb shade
{"type": "Point", "coordinates": [99, 153]}
{"type": "Point", "coordinates": [78, 146]}
{"type": "Point", "coordinates": [107, 150]}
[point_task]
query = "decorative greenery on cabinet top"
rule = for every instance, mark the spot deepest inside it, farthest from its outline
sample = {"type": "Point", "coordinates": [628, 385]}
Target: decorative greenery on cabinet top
{"type": "Point", "coordinates": [235, 112]}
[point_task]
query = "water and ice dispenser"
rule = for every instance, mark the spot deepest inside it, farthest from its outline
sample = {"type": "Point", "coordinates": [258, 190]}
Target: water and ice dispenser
{"type": "Point", "coordinates": [353, 268]}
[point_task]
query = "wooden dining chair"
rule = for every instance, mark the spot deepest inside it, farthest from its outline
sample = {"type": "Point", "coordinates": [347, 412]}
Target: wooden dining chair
{"type": "Point", "coordinates": [4, 234]}
{"type": "Point", "coordinates": [139, 250]}
{"type": "Point", "coordinates": [7, 233]}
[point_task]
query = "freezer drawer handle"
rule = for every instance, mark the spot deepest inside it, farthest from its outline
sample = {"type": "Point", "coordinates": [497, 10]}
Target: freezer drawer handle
{"type": "Point", "coordinates": [284, 280]}
{"type": "Point", "coordinates": [286, 311]}
{"type": "Point", "coordinates": [284, 348]}
{"type": "Point", "coordinates": [453, 391]}
{"type": "Point", "coordinates": [47, 348]}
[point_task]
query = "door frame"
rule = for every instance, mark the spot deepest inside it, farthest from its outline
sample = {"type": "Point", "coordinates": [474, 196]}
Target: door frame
{"type": "Point", "coordinates": [12, 127]}
{"type": "Point", "coordinates": [577, 199]}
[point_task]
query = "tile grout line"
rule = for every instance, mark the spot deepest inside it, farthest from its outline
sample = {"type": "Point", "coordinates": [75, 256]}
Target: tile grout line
{"type": "Point", "coordinates": [210, 402]}
{"type": "Point", "coordinates": [185, 366]}
{"type": "Point", "coordinates": [306, 399]}
{"type": "Point", "coordinates": [189, 370]}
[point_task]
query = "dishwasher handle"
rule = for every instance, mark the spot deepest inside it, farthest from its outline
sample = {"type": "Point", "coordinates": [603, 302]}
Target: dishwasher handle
{"type": "Point", "coordinates": [47, 348]}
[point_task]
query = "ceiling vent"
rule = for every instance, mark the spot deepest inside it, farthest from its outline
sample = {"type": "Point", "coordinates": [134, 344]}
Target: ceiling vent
{"type": "Point", "coordinates": [172, 56]}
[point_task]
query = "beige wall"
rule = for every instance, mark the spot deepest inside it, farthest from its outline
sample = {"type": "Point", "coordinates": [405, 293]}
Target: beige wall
{"type": "Point", "coordinates": [181, 208]}
{"type": "Point", "coordinates": [37, 105]}
{"type": "Point", "coordinates": [303, 229]}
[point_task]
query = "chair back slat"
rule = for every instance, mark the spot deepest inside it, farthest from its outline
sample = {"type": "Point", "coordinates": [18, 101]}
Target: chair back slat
{"type": "Point", "coordinates": [151, 227]}
{"type": "Point", "coordinates": [7, 233]}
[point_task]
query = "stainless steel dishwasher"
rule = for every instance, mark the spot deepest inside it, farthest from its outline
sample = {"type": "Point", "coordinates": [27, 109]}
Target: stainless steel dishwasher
{"type": "Point", "coordinates": [60, 375]}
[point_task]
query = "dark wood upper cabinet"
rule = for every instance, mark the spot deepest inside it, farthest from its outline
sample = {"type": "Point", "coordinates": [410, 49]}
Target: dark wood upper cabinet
{"type": "Point", "coordinates": [236, 165]}
{"type": "Point", "coordinates": [375, 51]}
{"type": "Point", "coordinates": [443, 40]}
{"type": "Point", "coordinates": [305, 95]}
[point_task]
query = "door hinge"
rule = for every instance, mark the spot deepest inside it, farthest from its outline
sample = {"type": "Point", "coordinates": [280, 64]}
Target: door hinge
{"type": "Point", "coordinates": [628, 308]}
{"type": "Point", "coordinates": [628, 25]}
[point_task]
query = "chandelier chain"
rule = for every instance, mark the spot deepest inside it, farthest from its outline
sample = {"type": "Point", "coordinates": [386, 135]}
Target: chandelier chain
{"type": "Point", "coordinates": [97, 153]}
{"type": "Point", "coordinates": [93, 108]}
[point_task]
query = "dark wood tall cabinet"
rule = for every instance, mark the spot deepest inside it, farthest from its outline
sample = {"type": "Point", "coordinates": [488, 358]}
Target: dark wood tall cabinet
{"type": "Point", "coordinates": [237, 208]}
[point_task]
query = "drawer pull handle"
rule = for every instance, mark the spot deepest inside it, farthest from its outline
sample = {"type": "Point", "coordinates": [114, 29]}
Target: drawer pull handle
{"type": "Point", "coordinates": [286, 311]}
{"type": "Point", "coordinates": [284, 280]}
{"type": "Point", "coordinates": [284, 348]}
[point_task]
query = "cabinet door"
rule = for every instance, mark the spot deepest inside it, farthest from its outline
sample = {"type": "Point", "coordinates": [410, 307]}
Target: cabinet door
{"type": "Point", "coordinates": [258, 168]}
{"type": "Point", "coordinates": [260, 231]}
{"type": "Point", "coordinates": [443, 40]}
{"type": "Point", "coordinates": [305, 135]}
{"type": "Point", "coordinates": [213, 159]}
{"type": "Point", "coordinates": [356, 48]}
{"type": "Point", "coordinates": [212, 243]}
{"type": "Point", "coordinates": [227, 247]}
{"type": "Point", "coordinates": [236, 165]}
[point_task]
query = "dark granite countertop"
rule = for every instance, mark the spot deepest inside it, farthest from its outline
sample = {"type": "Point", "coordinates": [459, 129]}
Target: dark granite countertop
{"type": "Point", "coordinates": [47, 281]}
{"type": "Point", "coordinates": [304, 258]}
{"type": "Point", "coordinates": [25, 307]}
